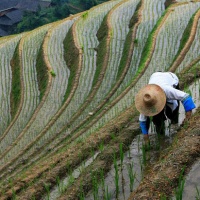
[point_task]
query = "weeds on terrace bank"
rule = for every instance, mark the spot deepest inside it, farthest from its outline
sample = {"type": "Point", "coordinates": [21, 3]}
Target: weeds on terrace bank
{"type": "Point", "coordinates": [116, 176]}
{"type": "Point", "coordinates": [121, 155]}
{"type": "Point", "coordinates": [132, 175]}
{"type": "Point", "coordinates": [47, 189]}
{"type": "Point", "coordinates": [181, 183]}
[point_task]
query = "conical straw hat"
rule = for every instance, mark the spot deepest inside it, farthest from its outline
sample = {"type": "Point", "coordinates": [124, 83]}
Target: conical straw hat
{"type": "Point", "coordinates": [150, 100]}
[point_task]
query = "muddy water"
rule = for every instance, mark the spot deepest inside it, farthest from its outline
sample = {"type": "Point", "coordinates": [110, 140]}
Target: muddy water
{"type": "Point", "coordinates": [131, 158]}
{"type": "Point", "coordinates": [192, 183]}
{"type": "Point", "coordinates": [62, 184]}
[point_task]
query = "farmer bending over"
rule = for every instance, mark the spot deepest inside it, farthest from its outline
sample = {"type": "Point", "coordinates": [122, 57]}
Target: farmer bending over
{"type": "Point", "coordinates": [160, 99]}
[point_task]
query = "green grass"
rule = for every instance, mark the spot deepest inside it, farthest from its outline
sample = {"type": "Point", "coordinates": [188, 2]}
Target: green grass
{"type": "Point", "coordinates": [101, 49]}
{"type": "Point", "coordinates": [147, 48]}
{"type": "Point", "coordinates": [15, 95]}
{"type": "Point", "coordinates": [128, 41]}
{"type": "Point", "coordinates": [42, 73]}
{"type": "Point", "coordinates": [71, 53]}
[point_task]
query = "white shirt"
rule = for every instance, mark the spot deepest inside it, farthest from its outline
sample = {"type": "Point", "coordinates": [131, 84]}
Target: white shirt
{"type": "Point", "coordinates": [167, 81]}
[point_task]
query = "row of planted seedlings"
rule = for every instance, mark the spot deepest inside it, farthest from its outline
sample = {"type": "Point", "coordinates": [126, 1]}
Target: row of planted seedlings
{"type": "Point", "coordinates": [131, 35]}
{"type": "Point", "coordinates": [118, 21]}
{"type": "Point", "coordinates": [25, 93]}
{"type": "Point", "coordinates": [95, 196]}
{"type": "Point", "coordinates": [153, 66]}
{"type": "Point", "coordinates": [50, 147]}
{"type": "Point", "coordinates": [54, 99]}
{"type": "Point", "coordinates": [7, 51]}
{"type": "Point", "coordinates": [150, 14]}
{"type": "Point", "coordinates": [130, 101]}
{"type": "Point", "coordinates": [85, 19]}
{"type": "Point", "coordinates": [43, 175]}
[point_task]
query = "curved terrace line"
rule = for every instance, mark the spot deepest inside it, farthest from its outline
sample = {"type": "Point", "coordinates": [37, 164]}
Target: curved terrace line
{"type": "Point", "coordinates": [104, 68]}
{"type": "Point", "coordinates": [49, 85]}
{"type": "Point", "coordinates": [49, 68]}
{"type": "Point", "coordinates": [187, 46]}
{"type": "Point", "coordinates": [22, 89]}
{"type": "Point", "coordinates": [137, 77]}
{"type": "Point", "coordinates": [113, 90]}
{"type": "Point", "coordinates": [66, 103]}
{"type": "Point", "coordinates": [22, 98]}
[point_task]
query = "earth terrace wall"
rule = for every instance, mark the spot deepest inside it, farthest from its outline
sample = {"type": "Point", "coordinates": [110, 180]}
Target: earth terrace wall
{"type": "Point", "coordinates": [78, 49]}
{"type": "Point", "coordinates": [188, 43]}
{"type": "Point", "coordinates": [195, 61]}
{"type": "Point", "coordinates": [187, 76]}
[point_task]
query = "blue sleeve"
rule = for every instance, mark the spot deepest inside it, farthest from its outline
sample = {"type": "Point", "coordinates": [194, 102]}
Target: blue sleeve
{"type": "Point", "coordinates": [143, 126]}
{"type": "Point", "coordinates": [188, 103]}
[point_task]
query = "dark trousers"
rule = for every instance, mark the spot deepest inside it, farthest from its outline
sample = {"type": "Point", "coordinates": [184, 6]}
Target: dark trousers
{"type": "Point", "coordinates": [159, 119]}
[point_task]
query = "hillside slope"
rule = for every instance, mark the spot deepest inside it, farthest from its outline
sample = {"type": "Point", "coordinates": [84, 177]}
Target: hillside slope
{"type": "Point", "coordinates": [67, 97]}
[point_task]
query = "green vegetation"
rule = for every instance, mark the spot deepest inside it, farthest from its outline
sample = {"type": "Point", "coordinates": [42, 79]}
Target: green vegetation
{"type": "Point", "coordinates": [102, 50]}
{"type": "Point", "coordinates": [71, 55]}
{"type": "Point", "coordinates": [42, 73]}
{"type": "Point", "coordinates": [15, 95]}
{"type": "Point", "coordinates": [125, 60]}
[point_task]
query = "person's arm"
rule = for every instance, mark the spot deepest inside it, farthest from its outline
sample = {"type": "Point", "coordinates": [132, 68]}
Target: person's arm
{"type": "Point", "coordinates": [188, 105]}
{"type": "Point", "coordinates": [185, 99]}
{"type": "Point", "coordinates": [144, 128]}
{"type": "Point", "coordinates": [143, 124]}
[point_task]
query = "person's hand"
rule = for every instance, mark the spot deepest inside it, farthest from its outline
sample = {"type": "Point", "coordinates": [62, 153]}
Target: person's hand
{"type": "Point", "coordinates": [187, 118]}
{"type": "Point", "coordinates": [188, 115]}
{"type": "Point", "coordinates": [146, 144]}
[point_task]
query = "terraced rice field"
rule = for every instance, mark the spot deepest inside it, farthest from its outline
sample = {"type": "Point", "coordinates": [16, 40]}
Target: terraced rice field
{"type": "Point", "coordinates": [68, 126]}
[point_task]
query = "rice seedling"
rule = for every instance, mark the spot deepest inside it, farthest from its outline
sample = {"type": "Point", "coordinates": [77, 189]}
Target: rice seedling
{"type": "Point", "coordinates": [179, 189]}
{"type": "Point", "coordinates": [121, 155]}
{"type": "Point", "coordinates": [60, 185]}
{"type": "Point", "coordinates": [144, 159]}
{"type": "Point", "coordinates": [95, 186]}
{"type": "Point", "coordinates": [101, 147]}
{"type": "Point", "coordinates": [132, 175]}
{"type": "Point", "coordinates": [52, 72]}
{"type": "Point", "coordinates": [14, 197]}
{"type": "Point", "coordinates": [47, 189]}
{"type": "Point", "coordinates": [107, 195]}
{"type": "Point", "coordinates": [116, 176]}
